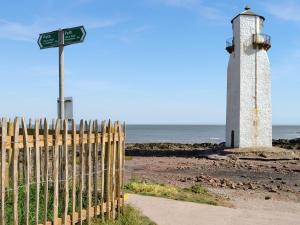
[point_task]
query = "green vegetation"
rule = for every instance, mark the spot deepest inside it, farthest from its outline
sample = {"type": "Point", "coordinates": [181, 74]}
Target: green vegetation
{"type": "Point", "coordinates": [196, 193]}
{"type": "Point", "coordinates": [32, 204]}
{"type": "Point", "coordinates": [127, 158]}
{"type": "Point", "coordinates": [130, 216]}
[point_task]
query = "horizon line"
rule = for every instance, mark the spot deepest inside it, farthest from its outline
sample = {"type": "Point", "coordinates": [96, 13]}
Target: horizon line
{"type": "Point", "coordinates": [198, 124]}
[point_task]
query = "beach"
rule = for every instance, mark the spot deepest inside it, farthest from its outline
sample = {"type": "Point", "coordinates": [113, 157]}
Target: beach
{"type": "Point", "coordinates": [234, 178]}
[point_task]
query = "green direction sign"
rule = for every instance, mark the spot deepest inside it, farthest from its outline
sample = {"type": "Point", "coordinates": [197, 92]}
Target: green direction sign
{"type": "Point", "coordinates": [48, 40]}
{"type": "Point", "coordinates": [74, 35]}
{"type": "Point", "coordinates": [71, 36]}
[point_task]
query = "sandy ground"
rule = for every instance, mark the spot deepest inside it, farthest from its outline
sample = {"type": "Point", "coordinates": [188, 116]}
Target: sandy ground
{"type": "Point", "coordinates": [260, 192]}
{"type": "Point", "coordinates": [278, 180]}
{"type": "Point", "coordinates": [247, 212]}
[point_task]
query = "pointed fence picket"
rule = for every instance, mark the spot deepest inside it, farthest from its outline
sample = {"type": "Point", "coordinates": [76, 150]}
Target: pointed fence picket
{"type": "Point", "coordinates": [56, 174]}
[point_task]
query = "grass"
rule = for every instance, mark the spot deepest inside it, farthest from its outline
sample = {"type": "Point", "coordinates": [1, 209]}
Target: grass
{"type": "Point", "coordinates": [130, 216]}
{"type": "Point", "coordinates": [195, 193]}
{"type": "Point", "coordinates": [127, 158]}
{"type": "Point", "coordinates": [32, 203]}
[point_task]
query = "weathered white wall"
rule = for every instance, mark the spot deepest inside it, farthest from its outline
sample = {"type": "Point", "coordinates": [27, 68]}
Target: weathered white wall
{"type": "Point", "coordinates": [248, 78]}
{"type": "Point", "coordinates": [233, 89]}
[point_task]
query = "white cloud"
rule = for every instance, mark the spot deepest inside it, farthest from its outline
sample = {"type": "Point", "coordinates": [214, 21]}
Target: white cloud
{"type": "Point", "coordinates": [288, 11]}
{"type": "Point", "coordinates": [18, 31]}
{"type": "Point", "coordinates": [29, 32]}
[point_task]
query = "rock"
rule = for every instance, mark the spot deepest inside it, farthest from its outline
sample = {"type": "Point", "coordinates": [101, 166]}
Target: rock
{"type": "Point", "coordinates": [232, 186]}
{"type": "Point", "coordinates": [251, 186]}
{"type": "Point", "coordinates": [263, 155]}
{"type": "Point", "coordinates": [267, 197]}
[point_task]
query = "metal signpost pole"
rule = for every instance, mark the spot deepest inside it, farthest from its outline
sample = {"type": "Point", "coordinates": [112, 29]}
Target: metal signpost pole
{"type": "Point", "coordinates": [61, 75]}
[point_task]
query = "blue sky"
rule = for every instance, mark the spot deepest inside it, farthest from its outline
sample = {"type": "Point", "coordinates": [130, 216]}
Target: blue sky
{"type": "Point", "coordinates": [143, 61]}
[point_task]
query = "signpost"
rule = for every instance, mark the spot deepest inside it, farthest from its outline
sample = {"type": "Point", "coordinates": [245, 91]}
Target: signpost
{"type": "Point", "coordinates": [60, 38]}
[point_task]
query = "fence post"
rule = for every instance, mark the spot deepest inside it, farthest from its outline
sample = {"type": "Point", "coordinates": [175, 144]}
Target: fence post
{"type": "Point", "coordinates": [66, 155]}
{"type": "Point", "coordinates": [27, 173]}
{"type": "Point", "coordinates": [37, 170]}
{"type": "Point", "coordinates": [46, 169]}
{"type": "Point", "coordinates": [3, 168]}
{"type": "Point", "coordinates": [113, 174]}
{"type": "Point", "coordinates": [103, 147]}
{"type": "Point", "coordinates": [74, 171]}
{"type": "Point", "coordinates": [89, 169]}
{"type": "Point", "coordinates": [81, 142]}
{"type": "Point", "coordinates": [15, 169]}
{"type": "Point", "coordinates": [96, 146]}
{"type": "Point", "coordinates": [108, 171]}
{"type": "Point", "coordinates": [55, 171]}
{"type": "Point", "coordinates": [119, 167]}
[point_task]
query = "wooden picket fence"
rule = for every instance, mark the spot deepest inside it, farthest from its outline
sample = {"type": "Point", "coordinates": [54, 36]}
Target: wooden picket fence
{"type": "Point", "coordinates": [60, 175]}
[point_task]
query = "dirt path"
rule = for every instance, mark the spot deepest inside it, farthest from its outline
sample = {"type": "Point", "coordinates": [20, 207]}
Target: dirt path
{"type": "Point", "coordinates": [246, 212]}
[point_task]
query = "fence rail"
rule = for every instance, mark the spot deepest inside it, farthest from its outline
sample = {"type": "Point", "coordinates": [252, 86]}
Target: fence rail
{"type": "Point", "coordinates": [62, 175]}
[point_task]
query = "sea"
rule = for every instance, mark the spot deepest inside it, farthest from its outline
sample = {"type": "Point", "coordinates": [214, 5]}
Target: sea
{"type": "Point", "coordinates": [193, 133]}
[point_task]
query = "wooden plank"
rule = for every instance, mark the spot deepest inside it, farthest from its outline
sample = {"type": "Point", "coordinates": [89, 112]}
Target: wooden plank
{"type": "Point", "coordinates": [10, 133]}
{"type": "Point", "coordinates": [113, 168]}
{"type": "Point", "coordinates": [96, 167]}
{"type": "Point", "coordinates": [15, 171]}
{"type": "Point", "coordinates": [37, 172]}
{"type": "Point", "coordinates": [55, 172]}
{"type": "Point", "coordinates": [74, 171]}
{"type": "Point", "coordinates": [103, 146]}
{"type": "Point", "coordinates": [66, 186]}
{"type": "Point", "coordinates": [27, 172]}
{"type": "Point", "coordinates": [119, 167]}
{"type": "Point", "coordinates": [46, 171]}
{"type": "Point", "coordinates": [86, 171]}
{"type": "Point", "coordinates": [123, 135]}
{"type": "Point", "coordinates": [30, 124]}
{"type": "Point", "coordinates": [42, 151]}
{"type": "Point", "coordinates": [108, 171]}
{"type": "Point", "coordinates": [89, 168]}
{"type": "Point", "coordinates": [81, 168]}
{"type": "Point", "coordinates": [3, 168]}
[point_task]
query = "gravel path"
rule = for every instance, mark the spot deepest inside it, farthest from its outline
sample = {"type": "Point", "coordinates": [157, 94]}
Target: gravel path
{"type": "Point", "coordinates": [246, 212]}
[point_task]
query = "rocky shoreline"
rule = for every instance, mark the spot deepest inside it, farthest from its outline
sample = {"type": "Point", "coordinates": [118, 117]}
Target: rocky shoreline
{"type": "Point", "coordinates": [281, 143]}
{"type": "Point", "coordinates": [272, 173]}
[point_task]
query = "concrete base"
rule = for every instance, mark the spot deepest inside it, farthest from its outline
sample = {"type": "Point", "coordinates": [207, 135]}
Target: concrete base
{"type": "Point", "coordinates": [272, 153]}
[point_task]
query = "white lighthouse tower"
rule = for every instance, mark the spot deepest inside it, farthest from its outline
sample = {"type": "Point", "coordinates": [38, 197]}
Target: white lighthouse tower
{"type": "Point", "coordinates": [249, 112]}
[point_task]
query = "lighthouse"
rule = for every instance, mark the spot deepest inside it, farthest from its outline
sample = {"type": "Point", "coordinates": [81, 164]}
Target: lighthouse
{"type": "Point", "coordinates": [249, 112]}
